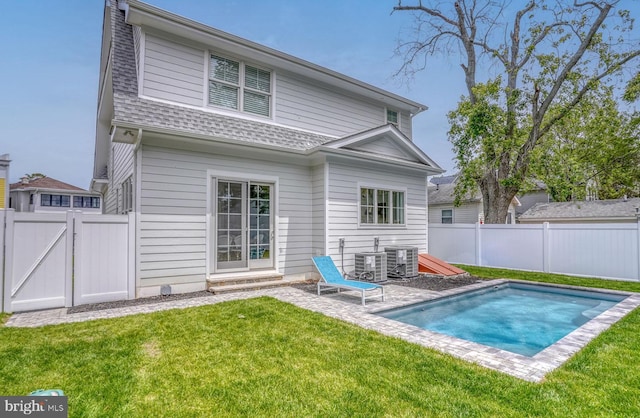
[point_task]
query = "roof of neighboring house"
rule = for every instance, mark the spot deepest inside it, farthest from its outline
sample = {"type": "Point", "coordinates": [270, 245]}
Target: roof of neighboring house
{"type": "Point", "coordinates": [443, 194]}
{"type": "Point", "coordinates": [594, 209]}
{"type": "Point", "coordinates": [47, 183]}
{"type": "Point", "coordinates": [444, 179]}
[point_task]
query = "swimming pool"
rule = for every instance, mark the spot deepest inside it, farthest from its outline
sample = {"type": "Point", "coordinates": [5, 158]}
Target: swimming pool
{"type": "Point", "coordinates": [517, 317]}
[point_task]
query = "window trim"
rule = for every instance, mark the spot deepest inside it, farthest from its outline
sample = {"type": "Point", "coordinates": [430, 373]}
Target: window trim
{"type": "Point", "coordinates": [127, 195]}
{"type": "Point", "coordinates": [242, 64]}
{"type": "Point", "coordinates": [50, 203]}
{"type": "Point", "coordinates": [386, 117]}
{"type": "Point", "coordinates": [391, 190]}
{"type": "Point", "coordinates": [442, 216]}
{"type": "Point", "coordinates": [82, 198]}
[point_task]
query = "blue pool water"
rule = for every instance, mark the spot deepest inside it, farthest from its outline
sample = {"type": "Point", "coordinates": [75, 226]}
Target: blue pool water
{"type": "Point", "coordinates": [521, 318]}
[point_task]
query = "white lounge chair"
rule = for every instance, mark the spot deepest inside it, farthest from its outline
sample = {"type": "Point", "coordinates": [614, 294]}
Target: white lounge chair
{"type": "Point", "coordinates": [333, 279]}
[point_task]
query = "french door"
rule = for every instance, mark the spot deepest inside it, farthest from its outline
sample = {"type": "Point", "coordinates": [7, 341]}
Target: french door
{"type": "Point", "coordinates": [243, 225]}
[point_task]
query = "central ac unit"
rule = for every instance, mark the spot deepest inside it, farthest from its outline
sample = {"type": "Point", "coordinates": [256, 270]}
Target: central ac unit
{"type": "Point", "coordinates": [402, 261]}
{"type": "Point", "coordinates": [371, 266]}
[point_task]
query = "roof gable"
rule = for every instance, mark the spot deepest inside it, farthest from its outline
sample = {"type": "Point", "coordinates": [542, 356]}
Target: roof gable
{"type": "Point", "coordinates": [383, 141]}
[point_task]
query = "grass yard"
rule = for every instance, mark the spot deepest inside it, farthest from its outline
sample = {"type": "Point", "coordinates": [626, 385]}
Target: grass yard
{"type": "Point", "coordinates": [263, 357]}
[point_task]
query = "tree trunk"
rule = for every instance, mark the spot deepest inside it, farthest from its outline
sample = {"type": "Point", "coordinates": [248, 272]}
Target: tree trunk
{"type": "Point", "coordinates": [495, 201]}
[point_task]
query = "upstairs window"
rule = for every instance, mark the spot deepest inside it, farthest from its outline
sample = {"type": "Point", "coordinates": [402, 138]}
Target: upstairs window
{"type": "Point", "coordinates": [235, 85]}
{"type": "Point", "coordinates": [381, 207]}
{"type": "Point", "coordinates": [392, 117]}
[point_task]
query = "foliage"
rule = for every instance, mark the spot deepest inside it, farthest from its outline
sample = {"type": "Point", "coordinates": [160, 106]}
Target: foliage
{"type": "Point", "coordinates": [632, 92]}
{"type": "Point", "coordinates": [541, 62]}
{"type": "Point", "coordinates": [262, 357]}
{"type": "Point", "coordinates": [34, 176]}
{"type": "Point", "coordinates": [594, 149]}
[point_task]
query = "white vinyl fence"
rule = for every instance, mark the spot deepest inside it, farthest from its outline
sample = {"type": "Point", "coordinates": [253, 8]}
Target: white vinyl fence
{"type": "Point", "coordinates": [54, 260]}
{"type": "Point", "coordinates": [610, 251]}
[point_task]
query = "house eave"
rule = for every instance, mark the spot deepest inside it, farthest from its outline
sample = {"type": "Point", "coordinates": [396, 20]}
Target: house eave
{"type": "Point", "coordinates": [357, 155]}
{"type": "Point", "coordinates": [382, 131]}
{"type": "Point", "coordinates": [142, 130]}
{"type": "Point", "coordinates": [145, 15]}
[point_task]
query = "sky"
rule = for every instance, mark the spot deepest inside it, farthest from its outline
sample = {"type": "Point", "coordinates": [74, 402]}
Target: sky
{"type": "Point", "coordinates": [49, 68]}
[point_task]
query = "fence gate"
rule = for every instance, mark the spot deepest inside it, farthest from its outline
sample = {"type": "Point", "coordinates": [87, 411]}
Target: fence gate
{"type": "Point", "coordinates": [55, 260]}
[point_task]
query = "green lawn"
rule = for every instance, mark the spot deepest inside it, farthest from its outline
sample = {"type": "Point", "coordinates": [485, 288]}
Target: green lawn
{"type": "Point", "coordinates": [263, 357]}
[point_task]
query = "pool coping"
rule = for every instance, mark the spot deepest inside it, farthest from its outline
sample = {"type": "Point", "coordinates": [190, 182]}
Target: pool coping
{"type": "Point", "coordinates": [533, 368]}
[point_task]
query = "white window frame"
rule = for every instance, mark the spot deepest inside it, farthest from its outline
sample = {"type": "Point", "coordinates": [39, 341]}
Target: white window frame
{"type": "Point", "coordinates": [386, 117]}
{"type": "Point", "coordinates": [240, 86]}
{"type": "Point", "coordinates": [442, 215]}
{"type": "Point", "coordinates": [127, 195]}
{"type": "Point", "coordinates": [376, 189]}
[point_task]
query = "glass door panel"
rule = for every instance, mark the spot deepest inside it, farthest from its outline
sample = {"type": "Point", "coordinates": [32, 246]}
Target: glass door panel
{"type": "Point", "coordinates": [260, 226]}
{"type": "Point", "coordinates": [231, 225]}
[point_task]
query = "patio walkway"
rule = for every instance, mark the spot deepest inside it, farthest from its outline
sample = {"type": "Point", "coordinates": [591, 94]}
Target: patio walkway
{"type": "Point", "coordinates": [346, 306]}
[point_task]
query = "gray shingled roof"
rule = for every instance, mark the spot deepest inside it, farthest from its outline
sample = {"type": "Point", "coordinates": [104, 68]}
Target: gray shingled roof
{"type": "Point", "coordinates": [129, 108]}
{"type": "Point", "coordinates": [444, 179]}
{"type": "Point", "coordinates": [601, 209]}
{"type": "Point", "coordinates": [444, 194]}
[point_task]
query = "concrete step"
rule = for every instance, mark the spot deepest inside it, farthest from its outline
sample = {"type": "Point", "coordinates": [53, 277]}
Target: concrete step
{"type": "Point", "coordinates": [264, 284]}
{"type": "Point", "coordinates": [238, 279]}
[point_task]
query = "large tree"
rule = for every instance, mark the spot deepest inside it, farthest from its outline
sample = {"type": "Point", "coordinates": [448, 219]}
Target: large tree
{"type": "Point", "coordinates": [593, 152]}
{"type": "Point", "coordinates": [537, 64]}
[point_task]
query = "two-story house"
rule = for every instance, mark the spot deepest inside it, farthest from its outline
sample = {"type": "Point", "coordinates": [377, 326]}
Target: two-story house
{"type": "Point", "coordinates": [241, 160]}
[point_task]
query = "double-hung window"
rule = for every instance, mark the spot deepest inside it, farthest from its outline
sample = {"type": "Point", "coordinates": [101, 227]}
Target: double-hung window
{"type": "Point", "coordinates": [239, 86]}
{"type": "Point", "coordinates": [447, 216]}
{"type": "Point", "coordinates": [382, 207]}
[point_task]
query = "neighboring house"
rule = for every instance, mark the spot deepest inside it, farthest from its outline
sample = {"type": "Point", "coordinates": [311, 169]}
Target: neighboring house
{"type": "Point", "coordinates": [538, 194]}
{"type": "Point", "coordinates": [442, 210]}
{"type": "Point", "coordinates": [241, 160]}
{"type": "Point", "coordinates": [4, 181]}
{"type": "Point", "coordinates": [592, 211]}
{"type": "Point", "coordinates": [44, 194]}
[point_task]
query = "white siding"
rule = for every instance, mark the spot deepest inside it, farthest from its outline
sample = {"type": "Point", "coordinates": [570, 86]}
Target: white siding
{"type": "Point", "coordinates": [120, 167]}
{"type": "Point", "coordinates": [308, 105]}
{"type": "Point", "coordinates": [173, 71]}
{"type": "Point", "coordinates": [174, 184]}
{"type": "Point", "coordinates": [343, 210]}
{"type": "Point", "coordinates": [319, 212]}
{"type": "Point", "coordinates": [385, 146]}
